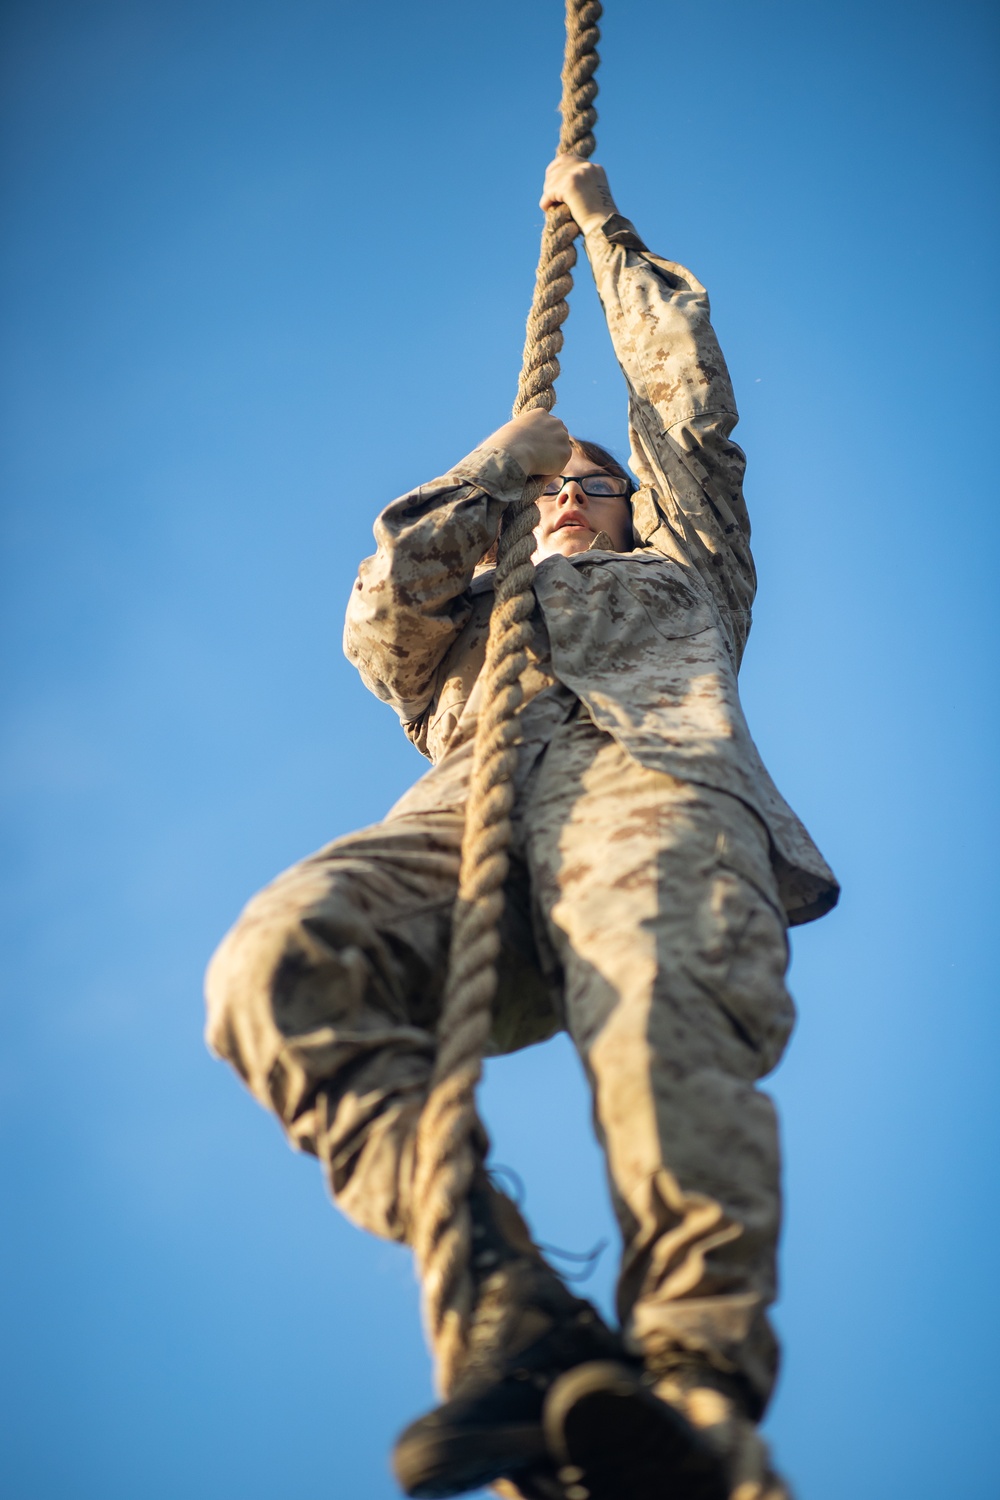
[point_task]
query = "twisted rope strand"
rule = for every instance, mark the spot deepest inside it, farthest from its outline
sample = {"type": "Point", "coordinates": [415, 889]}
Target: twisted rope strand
{"type": "Point", "coordinates": [451, 1137]}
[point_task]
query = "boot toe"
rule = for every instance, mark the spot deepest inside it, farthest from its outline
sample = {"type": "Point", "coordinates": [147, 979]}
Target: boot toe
{"type": "Point", "coordinates": [465, 1445]}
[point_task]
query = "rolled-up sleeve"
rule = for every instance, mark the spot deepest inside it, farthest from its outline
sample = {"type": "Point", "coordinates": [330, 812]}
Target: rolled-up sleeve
{"type": "Point", "coordinates": [681, 414]}
{"type": "Point", "coordinates": [410, 600]}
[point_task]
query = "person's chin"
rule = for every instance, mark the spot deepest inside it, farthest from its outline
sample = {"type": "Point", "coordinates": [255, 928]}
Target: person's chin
{"type": "Point", "coordinates": [571, 539]}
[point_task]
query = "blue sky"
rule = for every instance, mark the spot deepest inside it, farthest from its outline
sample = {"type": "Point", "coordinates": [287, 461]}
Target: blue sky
{"type": "Point", "coordinates": [265, 266]}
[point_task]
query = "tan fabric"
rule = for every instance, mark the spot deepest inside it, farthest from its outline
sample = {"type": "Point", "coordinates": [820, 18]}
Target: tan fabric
{"type": "Point", "coordinates": [653, 868]}
{"type": "Point", "coordinates": [650, 640]}
{"type": "Point", "coordinates": [644, 916]}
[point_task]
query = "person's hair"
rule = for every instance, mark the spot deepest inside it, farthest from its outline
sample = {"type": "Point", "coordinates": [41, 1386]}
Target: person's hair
{"type": "Point", "coordinates": [607, 461]}
{"type": "Point", "coordinates": [603, 460]}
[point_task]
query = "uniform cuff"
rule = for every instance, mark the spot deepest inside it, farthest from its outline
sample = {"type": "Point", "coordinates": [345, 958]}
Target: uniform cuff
{"type": "Point", "coordinates": [493, 470]}
{"type": "Point", "coordinates": [618, 230]}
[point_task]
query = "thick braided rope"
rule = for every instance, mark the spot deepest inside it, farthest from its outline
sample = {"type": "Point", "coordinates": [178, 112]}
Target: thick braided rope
{"type": "Point", "coordinates": [451, 1138]}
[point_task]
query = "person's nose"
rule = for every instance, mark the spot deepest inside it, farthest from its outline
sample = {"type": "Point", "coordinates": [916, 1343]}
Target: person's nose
{"type": "Point", "coordinates": [572, 494]}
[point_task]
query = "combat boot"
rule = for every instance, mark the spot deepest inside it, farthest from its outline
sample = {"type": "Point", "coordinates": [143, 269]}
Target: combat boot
{"type": "Point", "coordinates": [611, 1437]}
{"type": "Point", "coordinates": [527, 1330]}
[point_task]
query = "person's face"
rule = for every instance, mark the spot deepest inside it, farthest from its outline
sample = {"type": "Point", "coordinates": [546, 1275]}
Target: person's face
{"type": "Point", "coordinates": [569, 521]}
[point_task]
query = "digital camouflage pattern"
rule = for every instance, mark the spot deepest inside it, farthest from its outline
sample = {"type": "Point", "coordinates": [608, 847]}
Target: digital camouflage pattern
{"type": "Point", "coordinates": [654, 867]}
{"type": "Point", "coordinates": [644, 917]}
{"type": "Point", "coordinates": [649, 640]}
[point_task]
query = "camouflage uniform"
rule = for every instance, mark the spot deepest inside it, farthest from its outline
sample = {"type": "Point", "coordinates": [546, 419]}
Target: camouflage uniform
{"type": "Point", "coordinates": [655, 865]}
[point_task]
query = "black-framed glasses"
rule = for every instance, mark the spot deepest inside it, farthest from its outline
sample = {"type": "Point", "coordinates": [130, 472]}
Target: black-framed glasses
{"type": "Point", "coordinates": [598, 486]}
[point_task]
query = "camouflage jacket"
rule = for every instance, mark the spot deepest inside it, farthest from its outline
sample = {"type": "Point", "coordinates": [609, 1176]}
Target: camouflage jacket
{"type": "Point", "coordinates": [649, 640]}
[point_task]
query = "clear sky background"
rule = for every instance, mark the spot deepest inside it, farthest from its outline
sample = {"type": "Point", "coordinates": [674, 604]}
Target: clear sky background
{"type": "Point", "coordinates": [266, 265]}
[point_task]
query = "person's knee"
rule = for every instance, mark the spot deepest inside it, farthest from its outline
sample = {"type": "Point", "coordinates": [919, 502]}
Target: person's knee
{"type": "Point", "coordinates": [239, 990]}
{"type": "Point", "coordinates": [270, 978]}
{"type": "Point", "coordinates": [303, 962]}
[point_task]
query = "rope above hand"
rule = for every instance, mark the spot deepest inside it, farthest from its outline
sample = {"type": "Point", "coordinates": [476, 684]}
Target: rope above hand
{"type": "Point", "coordinates": [451, 1138]}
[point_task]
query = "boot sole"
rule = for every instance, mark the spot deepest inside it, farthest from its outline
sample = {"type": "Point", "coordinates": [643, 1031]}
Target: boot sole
{"type": "Point", "coordinates": [612, 1439]}
{"type": "Point", "coordinates": [437, 1465]}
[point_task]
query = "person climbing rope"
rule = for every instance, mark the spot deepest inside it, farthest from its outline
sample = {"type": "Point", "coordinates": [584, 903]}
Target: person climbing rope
{"type": "Point", "coordinates": [654, 868]}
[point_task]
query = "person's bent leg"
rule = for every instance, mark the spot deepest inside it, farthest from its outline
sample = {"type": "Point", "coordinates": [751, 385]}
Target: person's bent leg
{"type": "Point", "coordinates": [324, 996]}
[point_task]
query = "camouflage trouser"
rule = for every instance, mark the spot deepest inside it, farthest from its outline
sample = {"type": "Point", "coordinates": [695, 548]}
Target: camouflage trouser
{"type": "Point", "coordinates": [643, 917]}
